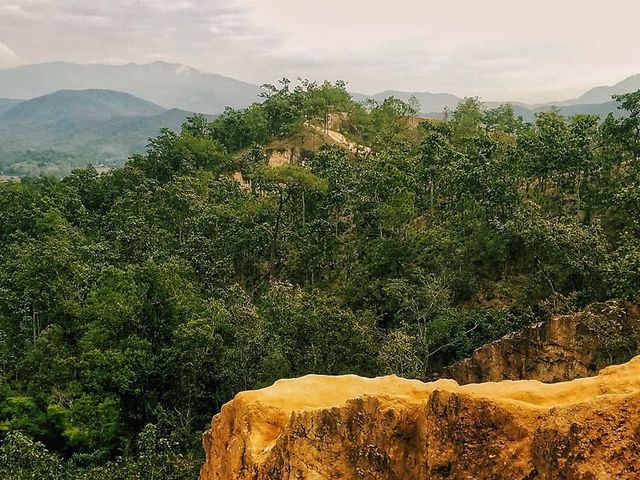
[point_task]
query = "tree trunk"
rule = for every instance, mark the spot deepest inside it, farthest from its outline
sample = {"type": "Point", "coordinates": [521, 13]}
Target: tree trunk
{"type": "Point", "coordinates": [431, 194]}
{"type": "Point", "coordinates": [304, 211]}
{"type": "Point", "coordinates": [276, 233]}
{"type": "Point", "coordinates": [578, 198]}
{"type": "Point", "coordinates": [34, 322]}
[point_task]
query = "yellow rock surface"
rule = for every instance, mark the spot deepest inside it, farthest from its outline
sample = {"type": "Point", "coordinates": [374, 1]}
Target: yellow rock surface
{"type": "Point", "coordinates": [348, 427]}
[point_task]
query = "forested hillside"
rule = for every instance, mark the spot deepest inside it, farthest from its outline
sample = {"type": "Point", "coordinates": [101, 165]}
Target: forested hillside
{"type": "Point", "coordinates": [77, 119]}
{"type": "Point", "coordinates": [8, 103]}
{"type": "Point", "coordinates": [134, 304]}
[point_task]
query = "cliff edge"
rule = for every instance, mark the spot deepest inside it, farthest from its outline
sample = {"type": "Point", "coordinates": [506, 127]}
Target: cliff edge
{"type": "Point", "coordinates": [348, 427]}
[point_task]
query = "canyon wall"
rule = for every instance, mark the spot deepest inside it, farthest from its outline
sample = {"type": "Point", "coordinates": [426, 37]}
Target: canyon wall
{"type": "Point", "coordinates": [348, 427]}
{"type": "Point", "coordinates": [561, 349]}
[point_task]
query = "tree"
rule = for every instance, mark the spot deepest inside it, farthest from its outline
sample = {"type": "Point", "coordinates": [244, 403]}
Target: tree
{"type": "Point", "coordinates": [286, 181]}
{"type": "Point", "coordinates": [630, 125]}
{"type": "Point", "coordinates": [466, 119]}
{"type": "Point", "coordinates": [502, 119]}
{"type": "Point", "coordinates": [434, 154]}
{"type": "Point", "coordinates": [173, 154]}
{"type": "Point", "coordinates": [414, 105]}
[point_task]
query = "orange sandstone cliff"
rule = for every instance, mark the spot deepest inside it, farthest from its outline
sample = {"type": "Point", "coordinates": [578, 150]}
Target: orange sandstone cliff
{"type": "Point", "coordinates": [561, 349]}
{"type": "Point", "coordinates": [348, 427]}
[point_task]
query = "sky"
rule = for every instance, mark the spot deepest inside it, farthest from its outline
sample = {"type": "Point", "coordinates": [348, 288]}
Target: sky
{"type": "Point", "coordinates": [532, 51]}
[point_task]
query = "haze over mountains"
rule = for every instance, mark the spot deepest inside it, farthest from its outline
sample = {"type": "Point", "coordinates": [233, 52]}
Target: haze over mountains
{"type": "Point", "coordinates": [7, 103]}
{"type": "Point", "coordinates": [603, 94]}
{"type": "Point", "coordinates": [168, 85]}
{"type": "Point", "coordinates": [180, 86]}
{"type": "Point", "coordinates": [73, 114]}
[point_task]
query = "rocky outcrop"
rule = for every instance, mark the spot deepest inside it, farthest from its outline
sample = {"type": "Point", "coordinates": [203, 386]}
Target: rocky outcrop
{"type": "Point", "coordinates": [277, 157]}
{"type": "Point", "coordinates": [349, 427]}
{"type": "Point", "coordinates": [564, 348]}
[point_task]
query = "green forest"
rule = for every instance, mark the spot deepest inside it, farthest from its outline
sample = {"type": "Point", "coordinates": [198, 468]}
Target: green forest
{"type": "Point", "coordinates": [32, 163]}
{"type": "Point", "coordinates": [135, 303]}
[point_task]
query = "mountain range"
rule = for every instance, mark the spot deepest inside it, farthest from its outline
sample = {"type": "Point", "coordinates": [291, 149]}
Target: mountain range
{"type": "Point", "coordinates": [433, 104]}
{"type": "Point", "coordinates": [603, 94]}
{"type": "Point", "coordinates": [179, 86]}
{"type": "Point", "coordinates": [77, 114]}
{"type": "Point", "coordinates": [166, 84]}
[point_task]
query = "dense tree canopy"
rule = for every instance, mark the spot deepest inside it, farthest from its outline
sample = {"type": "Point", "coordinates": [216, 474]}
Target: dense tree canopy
{"type": "Point", "coordinates": [133, 304]}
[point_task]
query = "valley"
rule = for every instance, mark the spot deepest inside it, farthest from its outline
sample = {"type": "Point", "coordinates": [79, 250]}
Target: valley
{"type": "Point", "coordinates": [284, 240]}
{"type": "Point", "coordinates": [316, 238]}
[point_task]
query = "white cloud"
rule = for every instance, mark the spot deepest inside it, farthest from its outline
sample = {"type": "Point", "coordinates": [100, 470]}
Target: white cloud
{"type": "Point", "coordinates": [168, 7]}
{"type": "Point", "coordinates": [495, 48]}
{"type": "Point", "coordinates": [498, 49]}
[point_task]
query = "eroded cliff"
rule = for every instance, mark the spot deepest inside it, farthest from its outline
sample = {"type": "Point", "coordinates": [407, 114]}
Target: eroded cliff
{"type": "Point", "coordinates": [348, 427]}
{"type": "Point", "coordinates": [561, 349]}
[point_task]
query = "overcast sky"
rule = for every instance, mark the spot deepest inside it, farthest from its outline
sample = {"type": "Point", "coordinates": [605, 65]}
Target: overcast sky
{"type": "Point", "coordinates": [540, 50]}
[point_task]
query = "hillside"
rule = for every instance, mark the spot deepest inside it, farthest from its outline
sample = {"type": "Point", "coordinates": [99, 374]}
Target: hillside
{"type": "Point", "coordinates": [348, 427]}
{"type": "Point", "coordinates": [285, 240]}
{"type": "Point", "coordinates": [78, 106]}
{"type": "Point", "coordinates": [169, 85]}
{"type": "Point", "coordinates": [74, 128]}
{"type": "Point", "coordinates": [604, 93]}
{"type": "Point", "coordinates": [596, 101]}
{"type": "Point", "coordinates": [8, 103]}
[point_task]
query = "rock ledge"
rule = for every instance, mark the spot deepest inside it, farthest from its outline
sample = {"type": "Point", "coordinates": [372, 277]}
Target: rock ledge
{"type": "Point", "coordinates": [348, 427]}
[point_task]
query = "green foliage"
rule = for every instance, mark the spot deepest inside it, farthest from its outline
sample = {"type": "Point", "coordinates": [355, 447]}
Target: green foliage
{"type": "Point", "coordinates": [618, 341]}
{"type": "Point", "coordinates": [467, 119]}
{"type": "Point", "coordinates": [133, 304]}
{"type": "Point", "coordinates": [23, 459]}
{"type": "Point", "coordinates": [502, 119]}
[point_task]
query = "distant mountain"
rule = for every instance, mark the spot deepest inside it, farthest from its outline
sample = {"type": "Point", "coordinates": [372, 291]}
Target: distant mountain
{"type": "Point", "coordinates": [433, 105]}
{"type": "Point", "coordinates": [596, 101]}
{"type": "Point", "coordinates": [528, 114]}
{"type": "Point", "coordinates": [7, 103]}
{"type": "Point", "coordinates": [600, 109]}
{"type": "Point", "coordinates": [166, 84]}
{"type": "Point", "coordinates": [87, 126]}
{"type": "Point", "coordinates": [179, 86]}
{"type": "Point", "coordinates": [429, 102]}
{"type": "Point", "coordinates": [604, 93]}
{"type": "Point", "coordinates": [79, 106]}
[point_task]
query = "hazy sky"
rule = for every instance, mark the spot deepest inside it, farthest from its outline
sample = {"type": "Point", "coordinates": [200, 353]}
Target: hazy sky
{"type": "Point", "coordinates": [539, 50]}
